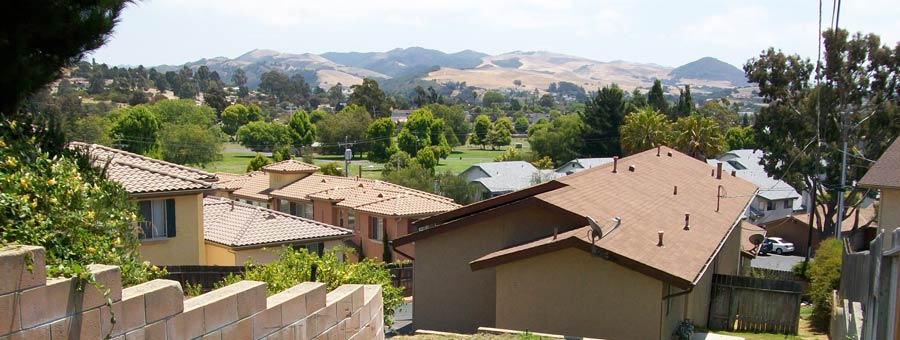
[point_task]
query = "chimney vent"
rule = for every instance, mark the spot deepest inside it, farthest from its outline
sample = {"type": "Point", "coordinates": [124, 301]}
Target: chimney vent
{"type": "Point", "coordinates": [719, 170]}
{"type": "Point", "coordinates": [660, 244]}
{"type": "Point", "coordinates": [669, 153]}
{"type": "Point", "coordinates": [733, 173]}
{"type": "Point", "coordinates": [687, 221]}
{"type": "Point", "coordinates": [712, 173]}
{"type": "Point", "coordinates": [631, 168]}
{"type": "Point", "coordinates": [658, 150]}
{"type": "Point", "coordinates": [675, 191]}
{"type": "Point", "coordinates": [615, 164]}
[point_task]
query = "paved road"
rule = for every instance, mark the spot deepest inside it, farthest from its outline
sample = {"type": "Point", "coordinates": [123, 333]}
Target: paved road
{"type": "Point", "coordinates": [402, 320]}
{"type": "Point", "coordinates": [776, 262]}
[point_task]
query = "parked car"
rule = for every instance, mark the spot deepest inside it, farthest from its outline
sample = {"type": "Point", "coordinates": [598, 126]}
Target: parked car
{"type": "Point", "coordinates": [777, 245]}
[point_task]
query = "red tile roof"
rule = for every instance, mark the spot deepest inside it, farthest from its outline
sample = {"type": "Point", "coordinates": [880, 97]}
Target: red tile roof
{"type": "Point", "coordinates": [290, 166]}
{"type": "Point", "coordinates": [237, 224]}
{"type": "Point", "coordinates": [251, 186]}
{"type": "Point", "coordinates": [885, 173]}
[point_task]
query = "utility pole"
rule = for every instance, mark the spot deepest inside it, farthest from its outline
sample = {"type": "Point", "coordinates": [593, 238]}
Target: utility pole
{"type": "Point", "coordinates": [812, 214]}
{"type": "Point", "coordinates": [348, 155]}
{"type": "Point", "coordinates": [842, 188]}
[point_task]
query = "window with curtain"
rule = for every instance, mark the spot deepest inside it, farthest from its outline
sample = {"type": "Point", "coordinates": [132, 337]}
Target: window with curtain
{"type": "Point", "coordinates": [376, 227]}
{"type": "Point", "coordinates": [158, 219]}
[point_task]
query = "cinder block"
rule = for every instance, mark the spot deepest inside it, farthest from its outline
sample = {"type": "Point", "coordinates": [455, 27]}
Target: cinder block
{"type": "Point", "coordinates": [315, 299]}
{"type": "Point", "coordinates": [326, 317]}
{"type": "Point", "coordinates": [79, 326]}
{"type": "Point", "coordinates": [286, 333]}
{"type": "Point", "coordinates": [9, 313]}
{"type": "Point", "coordinates": [14, 263]}
{"type": "Point", "coordinates": [252, 299]}
{"type": "Point", "coordinates": [106, 320]}
{"type": "Point", "coordinates": [220, 307]}
{"type": "Point", "coordinates": [162, 298]}
{"type": "Point", "coordinates": [242, 329]}
{"type": "Point", "coordinates": [41, 332]}
{"type": "Point", "coordinates": [300, 330]}
{"type": "Point", "coordinates": [187, 325]}
{"type": "Point", "coordinates": [353, 322]}
{"type": "Point", "coordinates": [108, 276]}
{"type": "Point", "coordinates": [217, 335]}
{"type": "Point", "coordinates": [137, 334]}
{"type": "Point", "coordinates": [266, 322]}
{"type": "Point", "coordinates": [132, 316]}
{"type": "Point", "coordinates": [359, 298]}
{"type": "Point", "coordinates": [43, 304]}
{"type": "Point", "coordinates": [293, 302]}
{"type": "Point", "coordinates": [156, 330]}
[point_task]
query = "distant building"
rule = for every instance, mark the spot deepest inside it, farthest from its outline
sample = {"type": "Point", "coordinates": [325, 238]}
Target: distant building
{"type": "Point", "coordinates": [579, 164]}
{"type": "Point", "coordinates": [400, 116]}
{"type": "Point", "coordinates": [776, 199]}
{"type": "Point", "coordinates": [492, 179]}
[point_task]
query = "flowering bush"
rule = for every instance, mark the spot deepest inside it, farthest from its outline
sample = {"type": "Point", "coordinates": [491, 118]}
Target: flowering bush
{"type": "Point", "coordinates": [66, 206]}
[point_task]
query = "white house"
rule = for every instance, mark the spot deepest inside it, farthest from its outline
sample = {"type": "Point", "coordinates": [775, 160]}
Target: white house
{"type": "Point", "coordinates": [579, 164]}
{"type": "Point", "coordinates": [776, 199]}
{"type": "Point", "coordinates": [496, 178]}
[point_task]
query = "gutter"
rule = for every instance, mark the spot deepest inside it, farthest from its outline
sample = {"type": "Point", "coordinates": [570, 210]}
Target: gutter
{"type": "Point", "coordinates": [394, 247]}
{"type": "Point", "coordinates": [283, 243]}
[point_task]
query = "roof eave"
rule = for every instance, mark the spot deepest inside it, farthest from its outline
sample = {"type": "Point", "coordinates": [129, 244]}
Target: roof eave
{"type": "Point", "coordinates": [171, 193]}
{"type": "Point", "coordinates": [282, 243]}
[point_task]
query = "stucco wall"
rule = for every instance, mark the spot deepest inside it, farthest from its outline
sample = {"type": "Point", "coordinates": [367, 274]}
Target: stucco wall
{"type": "Point", "coordinates": [279, 180]}
{"type": "Point", "coordinates": [323, 212]}
{"type": "Point", "coordinates": [186, 247]}
{"type": "Point", "coordinates": [728, 261]}
{"type": "Point", "coordinates": [571, 292]}
{"type": "Point", "coordinates": [889, 214]}
{"type": "Point", "coordinates": [217, 255]}
{"type": "Point", "coordinates": [449, 296]}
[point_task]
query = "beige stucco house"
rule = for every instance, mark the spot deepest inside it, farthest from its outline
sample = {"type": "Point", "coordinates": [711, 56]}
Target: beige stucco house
{"type": "Point", "coordinates": [529, 259]}
{"type": "Point", "coordinates": [372, 209]}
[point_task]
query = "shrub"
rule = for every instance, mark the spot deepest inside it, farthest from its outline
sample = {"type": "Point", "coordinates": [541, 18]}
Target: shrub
{"type": "Point", "coordinates": [293, 267]}
{"type": "Point", "coordinates": [825, 276]}
{"type": "Point", "coordinates": [332, 169]}
{"type": "Point", "coordinates": [258, 162]}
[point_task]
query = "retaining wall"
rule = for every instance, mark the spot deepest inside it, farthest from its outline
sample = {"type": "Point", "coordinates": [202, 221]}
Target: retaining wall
{"type": "Point", "coordinates": [35, 307]}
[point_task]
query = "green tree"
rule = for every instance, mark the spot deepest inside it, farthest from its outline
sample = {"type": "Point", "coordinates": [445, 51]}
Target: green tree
{"type": "Point", "coordinates": [482, 127]}
{"type": "Point", "coordinates": [258, 162]}
{"type": "Point", "coordinates": [855, 93]}
{"type": "Point", "coordinates": [425, 157]}
{"type": "Point", "coordinates": [656, 99]}
{"type": "Point", "coordinates": [303, 132]}
{"type": "Point", "coordinates": [455, 187]}
{"type": "Point", "coordinates": [332, 169]}
{"type": "Point", "coordinates": [399, 160]}
{"type": "Point", "coordinates": [214, 96]}
{"type": "Point", "coordinates": [737, 138]}
{"type": "Point", "coordinates": [264, 136]}
{"type": "Point", "coordinates": [414, 176]}
{"type": "Point", "coordinates": [239, 78]}
{"type": "Point", "coordinates": [722, 111]}
{"type": "Point", "coordinates": [685, 103]}
{"type": "Point", "coordinates": [698, 137]}
{"type": "Point", "coordinates": [637, 101]}
{"type": "Point", "coordinates": [407, 142]}
{"type": "Point", "coordinates": [382, 145]}
{"type": "Point", "coordinates": [492, 97]}
{"type": "Point", "coordinates": [237, 115]}
{"type": "Point", "coordinates": [500, 134]}
{"type": "Point", "coordinates": [560, 139]}
{"type": "Point", "coordinates": [350, 124]}
{"type": "Point", "coordinates": [137, 130]}
{"type": "Point", "coordinates": [336, 94]}
{"type": "Point", "coordinates": [369, 96]}
{"type": "Point", "coordinates": [825, 277]}
{"type": "Point", "coordinates": [644, 129]}
{"type": "Point", "coordinates": [547, 101]}
{"type": "Point", "coordinates": [603, 115]}
{"type": "Point", "coordinates": [522, 125]}
{"type": "Point", "coordinates": [183, 111]}
{"type": "Point", "coordinates": [44, 37]}
{"type": "Point", "coordinates": [455, 119]}
{"type": "Point", "coordinates": [189, 144]}
{"type": "Point", "coordinates": [282, 153]}
{"type": "Point", "coordinates": [91, 129]}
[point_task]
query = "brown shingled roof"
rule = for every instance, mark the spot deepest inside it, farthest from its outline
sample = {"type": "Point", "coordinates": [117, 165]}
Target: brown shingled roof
{"type": "Point", "coordinates": [290, 166]}
{"type": "Point", "coordinates": [885, 173]}
{"type": "Point", "coordinates": [237, 224]}
{"type": "Point", "coordinates": [645, 202]}
{"type": "Point", "coordinates": [143, 175]}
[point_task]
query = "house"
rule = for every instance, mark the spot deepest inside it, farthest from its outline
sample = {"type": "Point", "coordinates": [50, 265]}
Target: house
{"type": "Point", "coordinates": [497, 178]}
{"type": "Point", "coordinates": [776, 198]}
{"type": "Point", "coordinates": [235, 232]}
{"type": "Point", "coordinates": [375, 210]}
{"type": "Point", "coordinates": [579, 164]}
{"type": "Point", "coordinates": [529, 259]}
{"type": "Point", "coordinates": [169, 198]}
{"type": "Point", "coordinates": [795, 229]}
{"type": "Point", "coordinates": [884, 176]}
{"type": "Point", "coordinates": [749, 248]}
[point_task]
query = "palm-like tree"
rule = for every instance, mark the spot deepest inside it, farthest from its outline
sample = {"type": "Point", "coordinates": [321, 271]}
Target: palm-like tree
{"type": "Point", "coordinates": [698, 136]}
{"type": "Point", "coordinates": [644, 129]}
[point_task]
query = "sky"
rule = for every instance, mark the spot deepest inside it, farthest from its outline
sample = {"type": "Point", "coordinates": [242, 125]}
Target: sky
{"type": "Point", "coordinates": [668, 33]}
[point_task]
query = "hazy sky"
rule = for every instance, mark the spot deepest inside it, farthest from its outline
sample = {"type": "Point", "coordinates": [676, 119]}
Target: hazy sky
{"type": "Point", "coordinates": [668, 33]}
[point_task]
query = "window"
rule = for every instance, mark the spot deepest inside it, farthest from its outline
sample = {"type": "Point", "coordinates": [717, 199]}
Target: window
{"type": "Point", "coordinates": [736, 165]}
{"type": "Point", "coordinates": [788, 204]}
{"type": "Point", "coordinates": [312, 248]}
{"type": "Point", "coordinates": [294, 209]}
{"type": "Point", "coordinates": [351, 219]}
{"type": "Point", "coordinates": [770, 205]}
{"type": "Point", "coordinates": [158, 219]}
{"type": "Point", "coordinates": [340, 218]}
{"type": "Point", "coordinates": [307, 210]}
{"type": "Point", "coordinates": [284, 206]}
{"type": "Point", "coordinates": [376, 227]}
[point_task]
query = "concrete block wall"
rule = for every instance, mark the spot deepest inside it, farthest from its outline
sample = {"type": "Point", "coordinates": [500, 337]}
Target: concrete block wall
{"type": "Point", "coordinates": [35, 307]}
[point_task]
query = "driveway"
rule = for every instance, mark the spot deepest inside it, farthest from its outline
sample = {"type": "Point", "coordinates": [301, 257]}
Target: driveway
{"type": "Point", "coordinates": [776, 262]}
{"type": "Point", "coordinates": [402, 320]}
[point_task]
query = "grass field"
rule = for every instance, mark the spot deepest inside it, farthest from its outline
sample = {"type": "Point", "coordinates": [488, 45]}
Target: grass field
{"type": "Point", "coordinates": [235, 159]}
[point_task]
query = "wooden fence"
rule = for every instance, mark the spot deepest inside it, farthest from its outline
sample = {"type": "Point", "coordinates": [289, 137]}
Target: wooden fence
{"type": "Point", "coordinates": [205, 276]}
{"type": "Point", "coordinates": [746, 304]}
{"type": "Point", "coordinates": [402, 277]}
{"type": "Point", "coordinates": [870, 279]}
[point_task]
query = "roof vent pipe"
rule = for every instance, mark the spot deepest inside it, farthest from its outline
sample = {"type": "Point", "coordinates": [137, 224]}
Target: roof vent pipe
{"type": "Point", "coordinates": [719, 170]}
{"type": "Point", "coordinates": [675, 191]}
{"type": "Point", "coordinates": [615, 164]}
{"type": "Point", "coordinates": [669, 153]}
{"type": "Point", "coordinates": [712, 172]}
{"type": "Point", "coordinates": [658, 150]}
{"type": "Point", "coordinates": [631, 168]}
{"type": "Point", "coordinates": [660, 244]}
{"type": "Point", "coordinates": [733, 173]}
{"type": "Point", "coordinates": [687, 221]}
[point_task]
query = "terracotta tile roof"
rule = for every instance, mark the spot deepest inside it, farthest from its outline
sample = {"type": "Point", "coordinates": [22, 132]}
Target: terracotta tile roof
{"type": "Point", "coordinates": [139, 174]}
{"type": "Point", "coordinates": [237, 224]}
{"type": "Point", "coordinates": [747, 231]}
{"type": "Point", "coordinates": [367, 195]}
{"type": "Point", "coordinates": [885, 173]}
{"type": "Point", "coordinates": [252, 185]}
{"type": "Point", "coordinates": [225, 176]}
{"type": "Point", "coordinates": [645, 202]}
{"type": "Point", "coordinates": [290, 166]}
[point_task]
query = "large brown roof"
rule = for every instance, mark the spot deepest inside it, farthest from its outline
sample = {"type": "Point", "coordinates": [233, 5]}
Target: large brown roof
{"type": "Point", "coordinates": [143, 175]}
{"type": "Point", "coordinates": [644, 199]}
{"type": "Point", "coordinates": [368, 195]}
{"type": "Point", "coordinates": [885, 173]}
{"type": "Point", "coordinates": [290, 166]}
{"type": "Point", "coordinates": [237, 224]}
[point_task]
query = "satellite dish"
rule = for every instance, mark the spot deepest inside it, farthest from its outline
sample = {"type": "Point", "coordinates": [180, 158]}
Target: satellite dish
{"type": "Point", "coordinates": [757, 239]}
{"type": "Point", "coordinates": [597, 232]}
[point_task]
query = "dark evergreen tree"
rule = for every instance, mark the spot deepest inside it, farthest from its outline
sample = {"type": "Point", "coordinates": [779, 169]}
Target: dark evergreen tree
{"type": "Point", "coordinates": [656, 98]}
{"type": "Point", "coordinates": [685, 103]}
{"type": "Point", "coordinates": [603, 114]}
